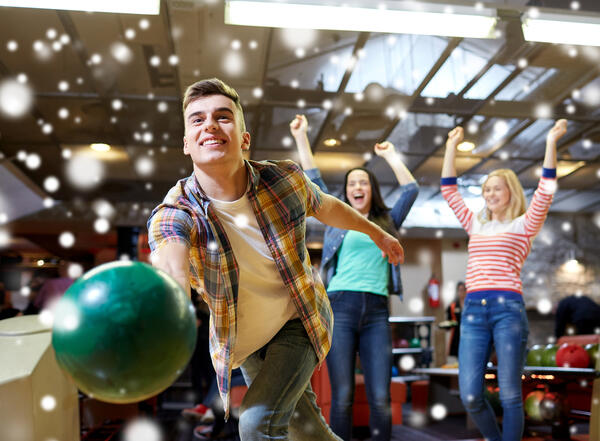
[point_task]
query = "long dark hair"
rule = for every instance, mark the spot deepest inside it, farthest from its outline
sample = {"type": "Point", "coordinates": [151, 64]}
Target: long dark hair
{"type": "Point", "coordinates": [379, 212]}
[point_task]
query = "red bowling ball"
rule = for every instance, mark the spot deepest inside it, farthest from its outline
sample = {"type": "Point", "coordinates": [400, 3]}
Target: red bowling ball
{"type": "Point", "coordinates": [573, 356]}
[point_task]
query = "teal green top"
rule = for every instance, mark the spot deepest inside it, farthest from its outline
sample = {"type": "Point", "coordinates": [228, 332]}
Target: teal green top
{"type": "Point", "coordinates": [360, 266]}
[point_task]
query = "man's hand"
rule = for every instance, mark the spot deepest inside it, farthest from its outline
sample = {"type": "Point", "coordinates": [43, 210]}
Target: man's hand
{"type": "Point", "coordinates": [455, 137]}
{"type": "Point", "coordinates": [389, 246]}
{"type": "Point", "coordinates": [336, 213]}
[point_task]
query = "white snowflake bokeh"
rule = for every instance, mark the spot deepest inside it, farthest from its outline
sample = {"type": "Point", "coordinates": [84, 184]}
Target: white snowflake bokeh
{"type": "Point", "coordinates": [16, 98]}
{"type": "Point", "coordinates": [142, 429]}
{"type": "Point", "coordinates": [144, 166]}
{"type": "Point", "coordinates": [48, 403]}
{"type": "Point", "coordinates": [544, 306]}
{"type": "Point", "coordinates": [84, 171]}
{"type": "Point", "coordinates": [51, 184]}
{"type": "Point", "coordinates": [438, 411]}
{"type": "Point", "coordinates": [74, 270]}
{"type": "Point", "coordinates": [101, 225]}
{"type": "Point", "coordinates": [66, 239]}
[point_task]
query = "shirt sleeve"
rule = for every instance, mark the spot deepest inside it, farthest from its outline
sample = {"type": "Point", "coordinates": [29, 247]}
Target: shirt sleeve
{"type": "Point", "coordinates": [311, 192]}
{"type": "Point", "coordinates": [540, 203]}
{"type": "Point", "coordinates": [314, 175]}
{"type": "Point", "coordinates": [457, 204]}
{"type": "Point", "coordinates": [169, 224]}
{"type": "Point", "coordinates": [404, 203]}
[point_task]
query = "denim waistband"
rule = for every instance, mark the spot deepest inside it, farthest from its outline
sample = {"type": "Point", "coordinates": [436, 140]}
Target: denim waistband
{"type": "Point", "coordinates": [494, 294]}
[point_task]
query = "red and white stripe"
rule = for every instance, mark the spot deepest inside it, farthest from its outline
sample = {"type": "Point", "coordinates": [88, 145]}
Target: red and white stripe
{"type": "Point", "coordinates": [497, 250]}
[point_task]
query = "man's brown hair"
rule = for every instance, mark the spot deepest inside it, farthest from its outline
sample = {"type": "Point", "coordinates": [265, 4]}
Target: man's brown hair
{"type": "Point", "coordinates": [214, 86]}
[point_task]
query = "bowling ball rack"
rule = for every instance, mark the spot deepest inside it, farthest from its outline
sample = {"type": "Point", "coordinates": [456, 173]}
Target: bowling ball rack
{"type": "Point", "coordinates": [577, 385]}
{"type": "Point", "coordinates": [573, 385]}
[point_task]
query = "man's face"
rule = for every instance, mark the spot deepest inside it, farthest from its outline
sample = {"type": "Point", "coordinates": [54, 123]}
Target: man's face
{"type": "Point", "coordinates": [213, 132]}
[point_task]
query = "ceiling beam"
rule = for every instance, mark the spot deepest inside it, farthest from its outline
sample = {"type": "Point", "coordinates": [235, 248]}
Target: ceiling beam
{"type": "Point", "coordinates": [530, 54]}
{"type": "Point", "coordinates": [259, 110]}
{"type": "Point", "coordinates": [284, 96]}
{"type": "Point", "coordinates": [520, 128]}
{"type": "Point", "coordinates": [361, 40]}
{"type": "Point", "coordinates": [579, 81]}
{"type": "Point", "coordinates": [452, 44]}
{"type": "Point", "coordinates": [82, 53]}
{"type": "Point", "coordinates": [34, 111]}
{"type": "Point", "coordinates": [166, 16]}
{"type": "Point", "coordinates": [575, 136]}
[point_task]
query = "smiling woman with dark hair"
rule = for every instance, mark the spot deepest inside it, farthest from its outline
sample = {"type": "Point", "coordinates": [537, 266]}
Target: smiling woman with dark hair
{"type": "Point", "coordinates": [358, 282]}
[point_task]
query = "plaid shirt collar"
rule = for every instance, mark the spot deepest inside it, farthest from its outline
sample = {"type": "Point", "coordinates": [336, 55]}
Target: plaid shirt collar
{"type": "Point", "coordinates": [193, 187]}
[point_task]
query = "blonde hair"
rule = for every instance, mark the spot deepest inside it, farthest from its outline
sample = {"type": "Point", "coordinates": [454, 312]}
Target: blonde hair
{"type": "Point", "coordinates": [516, 203]}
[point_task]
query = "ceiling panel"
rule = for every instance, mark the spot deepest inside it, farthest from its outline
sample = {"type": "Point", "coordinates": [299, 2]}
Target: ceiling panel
{"type": "Point", "coordinates": [133, 101]}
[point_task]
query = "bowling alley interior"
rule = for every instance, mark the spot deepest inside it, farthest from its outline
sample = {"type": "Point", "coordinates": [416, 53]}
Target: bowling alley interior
{"type": "Point", "coordinates": [97, 344]}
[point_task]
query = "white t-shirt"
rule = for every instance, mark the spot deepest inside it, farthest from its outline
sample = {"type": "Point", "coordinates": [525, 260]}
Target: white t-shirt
{"type": "Point", "coordinates": [264, 304]}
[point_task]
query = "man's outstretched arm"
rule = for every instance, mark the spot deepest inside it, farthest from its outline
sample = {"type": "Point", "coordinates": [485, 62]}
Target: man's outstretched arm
{"type": "Point", "coordinates": [336, 213]}
{"type": "Point", "coordinates": [174, 259]}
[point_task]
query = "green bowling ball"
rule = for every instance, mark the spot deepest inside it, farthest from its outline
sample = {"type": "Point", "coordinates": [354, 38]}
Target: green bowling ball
{"type": "Point", "coordinates": [124, 331]}
{"type": "Point", "coordinates": [549, 355]}
{"type": "Point", "coordinates": [532, 405]}
{"type": "Point", "coordinates": [415, 342]}
{"type": "Point", "coordinates": [534, 356]}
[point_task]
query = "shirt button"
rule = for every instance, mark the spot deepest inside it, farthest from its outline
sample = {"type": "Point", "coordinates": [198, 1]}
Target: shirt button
{"type": "Point", "coordinates": [483, 302]}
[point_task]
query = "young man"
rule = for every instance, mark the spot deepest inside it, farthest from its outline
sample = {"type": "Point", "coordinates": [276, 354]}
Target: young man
{"type": "Point", "coordinates": [235, 231]}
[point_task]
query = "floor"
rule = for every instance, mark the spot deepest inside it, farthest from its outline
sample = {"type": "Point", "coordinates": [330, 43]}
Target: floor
{"type": "Point", "coordinates": [452, 428]}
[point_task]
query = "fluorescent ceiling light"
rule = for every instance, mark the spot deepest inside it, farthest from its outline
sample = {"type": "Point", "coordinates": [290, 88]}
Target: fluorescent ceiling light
{"type": "Point", "coordinates": [147, 7]}
{"type": "Point", "coordinates": [562, 29]}
{"type": "Point", "coordinates": [457, 21]}
{"type": "Point", "coordinates": [565, 168]}
{"type": "Point", "coordinates": [100, 147]}
{"type": "Point", "coordinates": [465, 146]}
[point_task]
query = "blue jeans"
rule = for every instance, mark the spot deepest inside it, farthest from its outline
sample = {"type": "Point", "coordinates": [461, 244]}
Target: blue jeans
{"type": "Point", "coordinates": [360, 324]}
{"type": "Point", "coordinates": [499, 319]}
{"type": "Point", "coordinates": [279, 397]}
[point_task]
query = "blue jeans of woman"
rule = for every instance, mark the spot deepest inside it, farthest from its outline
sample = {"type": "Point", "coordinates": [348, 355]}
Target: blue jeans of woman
{"type": "Point", "coordinates": [493, 318]}
{"type": "Point", "coordinates": [360, 324]}
{"type": "Point", "coordinates": [279, 399]}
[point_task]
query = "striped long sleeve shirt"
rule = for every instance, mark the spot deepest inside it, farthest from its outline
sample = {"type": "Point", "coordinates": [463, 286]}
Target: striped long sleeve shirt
{"type": "Point", "coordinates": [498, 249]}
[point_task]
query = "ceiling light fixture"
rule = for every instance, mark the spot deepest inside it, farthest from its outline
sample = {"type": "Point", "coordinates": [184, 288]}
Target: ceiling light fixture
{"type": "Point", "coordinates": [100, 147]}
{"type": "Point", "coordinates": [146, 7]}
{"type": "Point", "coordinates": [465, 146]}
{"type": "Point", "coordinates": [332, 142]}
{"type": "Point", "coordinates": [562, 29]}
{"type": "Point", "coordinates": [413, 18]}
{"type": "Point", "coordinates": [565, 168]}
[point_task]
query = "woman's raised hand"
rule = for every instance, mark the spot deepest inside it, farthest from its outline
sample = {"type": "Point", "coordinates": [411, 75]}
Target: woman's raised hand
{"type": "Point", "coordinates": [384, 149]}
{"type": "Point", "coordinates": [556, 132]}
{"type": "Point", "coordinates": [455, 137]}
{"type": "Point", "coordinates": [299, 126]}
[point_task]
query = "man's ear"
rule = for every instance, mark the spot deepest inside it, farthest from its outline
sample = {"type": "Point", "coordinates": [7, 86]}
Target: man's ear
{"type": "Point", "coordinates": [186, 151]}
{"type": "Point", "coordinates": [245, 141]}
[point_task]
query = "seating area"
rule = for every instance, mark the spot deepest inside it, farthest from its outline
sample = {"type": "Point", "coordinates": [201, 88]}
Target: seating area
{"type": "Point", "coordinates": [322, 388]}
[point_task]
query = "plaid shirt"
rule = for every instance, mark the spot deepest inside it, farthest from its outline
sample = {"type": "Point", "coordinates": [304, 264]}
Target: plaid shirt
{"type": "Point", "coordinates": [281, 197]}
